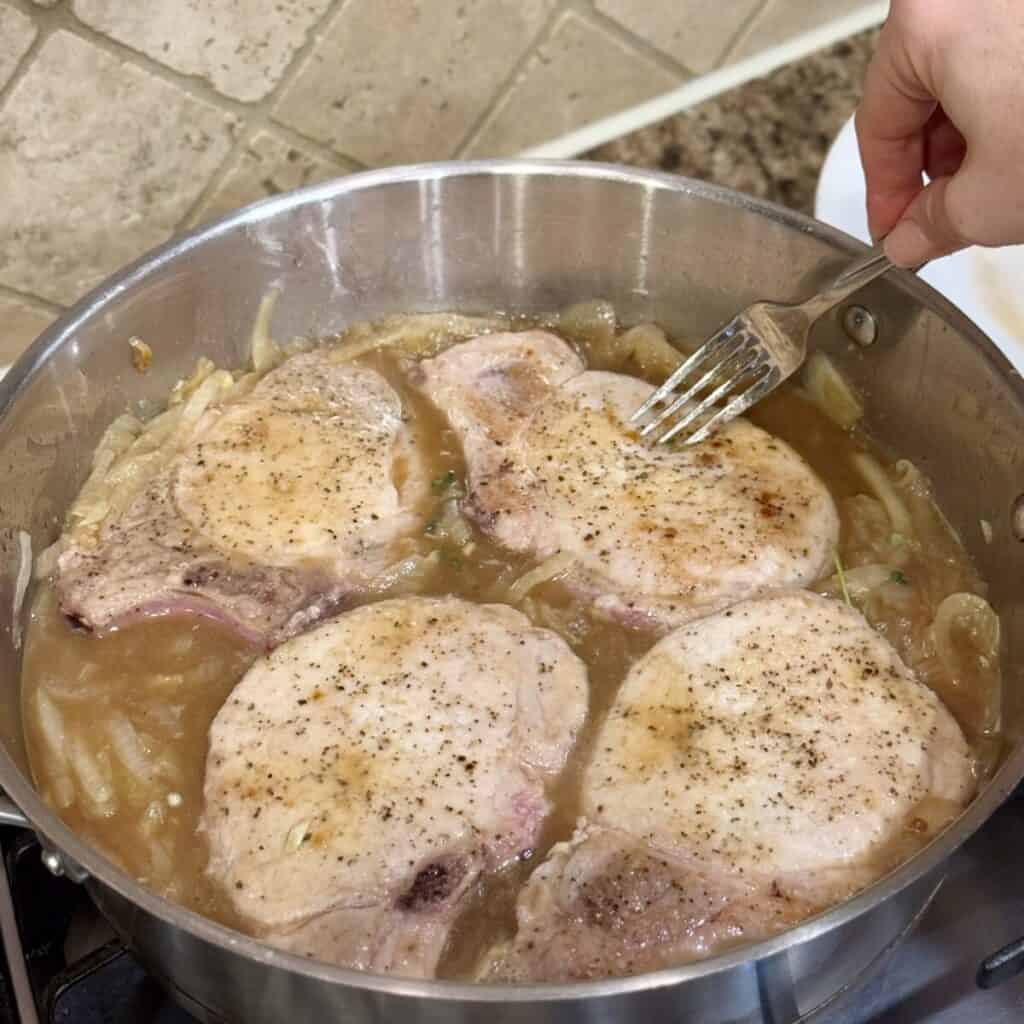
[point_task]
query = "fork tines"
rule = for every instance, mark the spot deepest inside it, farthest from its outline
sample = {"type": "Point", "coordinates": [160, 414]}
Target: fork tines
{"type": "Point", "coordinates": [733, 372]}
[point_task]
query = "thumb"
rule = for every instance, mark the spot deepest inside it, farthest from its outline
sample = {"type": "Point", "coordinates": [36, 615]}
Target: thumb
{"type": "Point", "coordinates": [926, 230]}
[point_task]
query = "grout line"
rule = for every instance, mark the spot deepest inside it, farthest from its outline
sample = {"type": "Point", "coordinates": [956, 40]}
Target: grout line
{"type": "Point", "coordinates": [260, 119]}
{"type": "Point", "coordinates": [298, 62]}
{"type": "Point", "coordinates": [318, 149]}
{"type": "Point", "coordinates": [291, 72]}
{"type": "Point", "coordinates": [582, 140]}
{"type": "Point", "coordinates": [665, 61]}
{"type": "Point", "coordinates": [27, 58]}
{"type": "Point", "coordinates": [195, 86]}
{"type": "Point", "coordinates": [215, 181]}
{"type": "Point", "coordinates": [743, 32]}
{"type": "Point", "coordinates": [40, 305]}
{"type": "Point", "coordinates": [585, 10]}
{"type": "Point", "coordinates": [60, 18]}
{"type": "Point", "coordinates": [544, 35]}
{"type": "Point", "coordinates": [249, 116]}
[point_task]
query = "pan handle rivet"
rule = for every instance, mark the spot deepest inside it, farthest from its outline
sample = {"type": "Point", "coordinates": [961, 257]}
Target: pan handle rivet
{"type": "Point", "coordinates": [860, 325]}
{"type": "Point", "coordinates": [52, 862]}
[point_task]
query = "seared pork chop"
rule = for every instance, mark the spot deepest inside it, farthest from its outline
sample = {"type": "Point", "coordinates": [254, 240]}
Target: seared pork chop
{"type": "Point", "coordinates": [283, 505]}
{"type": "Point", "coordinates": [756, 767]}
{"type": "Point", "coordinates": [658, 535]}
{"type": "Point", "coordinates": [363, 776]}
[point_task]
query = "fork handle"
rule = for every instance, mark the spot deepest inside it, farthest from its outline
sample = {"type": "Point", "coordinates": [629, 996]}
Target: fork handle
{"type": "Point", "coordinates": [851, 280]}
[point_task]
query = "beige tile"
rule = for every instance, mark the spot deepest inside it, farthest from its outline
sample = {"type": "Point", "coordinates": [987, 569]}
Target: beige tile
{"type": "Point", "coordinates": [582, 73]}
{"type": "Point", "coordinates": [266, 166]}
{"type": "Point", "coordinates": [241, 46]}
{"type": "Point", "coordinates": [402, 80]}
{"type": "Point", "coordinates": [781, 20]}
{"type": "Point", "coordinates": [99, 161]}
{"type": "Point", "coordinates": [694, 32]}
{"type": "Point", "coordinates": [21, 322]}
{"type": "Point", "coordinates": [16, 35]}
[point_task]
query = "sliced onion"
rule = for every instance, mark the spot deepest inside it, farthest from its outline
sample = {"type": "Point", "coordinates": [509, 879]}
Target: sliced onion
{"type": "Point", "coordinates": [51, 727]}
{"type": "Point", "coordinates": [156, 432]}
{"type": "Point", "coordinates": [973, 618]}
{"type": "Point", "coordinates": [153, 817]}
{"type": "Point", "coordinates": [116, 440]}
{"type": "Point", "coordinates": [647, 349]}
{"type": "Point", "coordinates": [94, 784]}
{"type": "Point", "coordinates": [910, 478]}
{"type": "Point", "coordinates": [91, 505]}
{"type": "Point", "coordinates": [129, 749]}
{"type": "Point", "coordinates": [452, 525]}
{"type": "Point", "coordinates": [184, 388]}
{"type": "Point", "coordinates": [828, 390]}
{"type": "Point", "coordinates": [862, 580]}
{"type": "Point", "coordinates": [47, 559]}
{"type": "Point", "coordinates": [21, 583]}
{"type": "Point", "coordinates": [264, 351]}
{"type": "Point", "coordinates": [567, 621]}
{"type": "Point", "coordinates": [883, 488]}
{"type": "Point", "coordinates": [418, 336]}
{"type": "Point", "coordinates": [61, 791]}
{"type": "Point", "coordinates": [183, 643]}
{"type": "Point", "coordinates": [208, 671]}
{"type": "Point", "coordinates": [589, 321]}
{"type": "Point", "coordinates": [166, 717]}
{"type": "Point", "coordinates": [888, 600]}
{"type": "Point", "coordinates": [550, 569]}
{"type": "Point", "coordinates": [410, 574]}
{"type": "Point", "coordinates": [123, 471]}
{"type": "Point", "coordinates": [216, 386]}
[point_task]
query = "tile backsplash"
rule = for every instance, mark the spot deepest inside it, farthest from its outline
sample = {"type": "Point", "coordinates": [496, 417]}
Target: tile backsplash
{"type": "Point", "coordinates": [123, 122]}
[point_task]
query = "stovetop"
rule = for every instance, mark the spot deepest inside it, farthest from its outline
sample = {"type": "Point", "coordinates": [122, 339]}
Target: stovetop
{"type": "Point", "coordinates": [73, 970]}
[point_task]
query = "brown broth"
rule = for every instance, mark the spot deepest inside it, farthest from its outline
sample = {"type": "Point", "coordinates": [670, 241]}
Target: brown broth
{"type": "Point", "coordinates": [169, 677]}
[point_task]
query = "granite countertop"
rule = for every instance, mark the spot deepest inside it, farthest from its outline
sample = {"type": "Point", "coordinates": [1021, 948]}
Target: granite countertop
{"type": "Point", "coordinates": [768, 137]}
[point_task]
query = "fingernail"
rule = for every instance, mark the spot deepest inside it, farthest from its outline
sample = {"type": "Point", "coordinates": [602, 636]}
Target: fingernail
{"type": "Point", "coordinates": [907, 245]}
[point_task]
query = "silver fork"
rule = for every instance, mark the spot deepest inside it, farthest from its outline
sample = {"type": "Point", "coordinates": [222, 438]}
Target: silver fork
{"type": "Point", "coordinates": [745, 360]}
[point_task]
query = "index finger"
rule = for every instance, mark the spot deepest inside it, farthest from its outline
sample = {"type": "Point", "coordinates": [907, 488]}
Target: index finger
{"type": "Point", "coordinates": [890, 132]}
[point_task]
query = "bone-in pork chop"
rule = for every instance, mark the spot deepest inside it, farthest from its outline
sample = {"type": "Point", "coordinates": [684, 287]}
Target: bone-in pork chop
{"type": "Point", "coordinates": [756, 767]}
{"type": "Point", "coordinates": [658, 535]}
{"type": "Point", "coordinates": [363, 776]}
{"type": "Point", "coordinates": [281, 507]}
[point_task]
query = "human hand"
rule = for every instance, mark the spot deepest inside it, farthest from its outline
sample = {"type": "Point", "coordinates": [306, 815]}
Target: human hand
{"type": "Point", "coordinates": [944, 97]}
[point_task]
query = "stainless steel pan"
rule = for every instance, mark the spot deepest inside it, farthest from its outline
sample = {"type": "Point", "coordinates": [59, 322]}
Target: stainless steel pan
{"type": "Point", "coordinates": [525, 237]}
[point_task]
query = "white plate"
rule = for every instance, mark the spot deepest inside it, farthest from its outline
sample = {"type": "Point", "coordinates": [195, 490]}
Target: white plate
{"type": "Point", "coordinates": [987, 284]}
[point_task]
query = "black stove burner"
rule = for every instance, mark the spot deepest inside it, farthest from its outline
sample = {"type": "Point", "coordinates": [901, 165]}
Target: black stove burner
{"type": "Point", "coordinates": [109, 986]}
{"type": "Point", "coordinates": [103, 985]}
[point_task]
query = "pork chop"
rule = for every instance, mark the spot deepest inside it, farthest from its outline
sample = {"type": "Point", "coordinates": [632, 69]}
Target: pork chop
{"type": "Point", "coordinates": [658, 535]}
{"type": "Point", "coordinates": [363, 776]}
{"type": "Point", "coordinates": [756, 767]}
{"type": "Point", "coordinates": [282, 506]}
